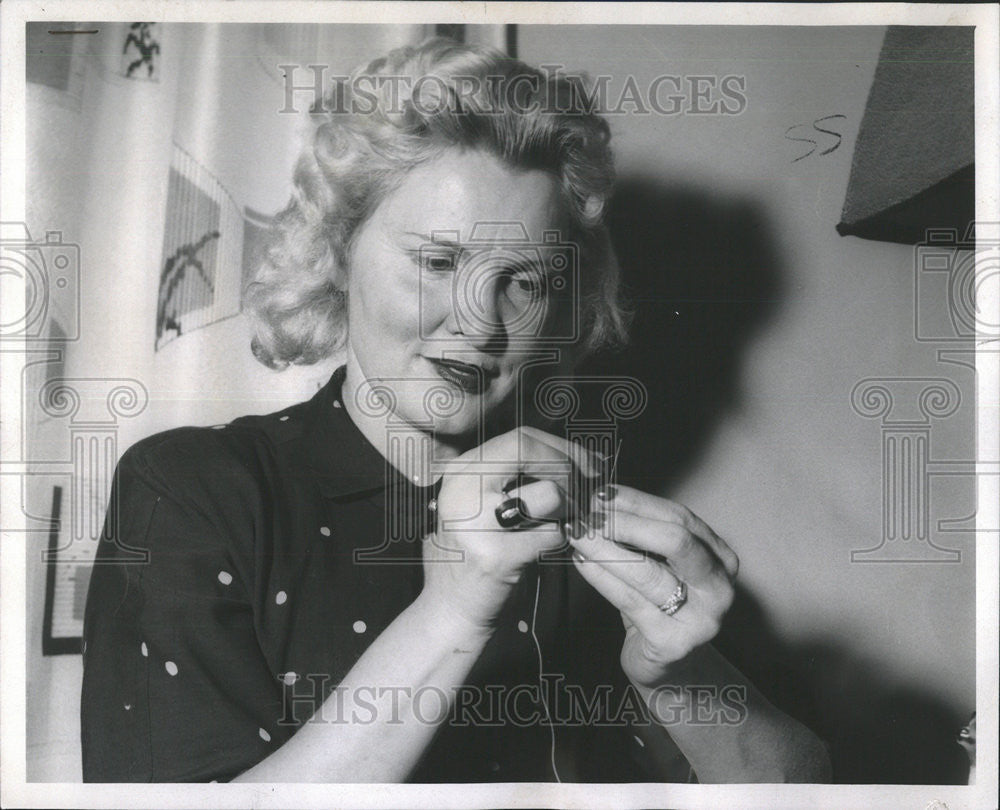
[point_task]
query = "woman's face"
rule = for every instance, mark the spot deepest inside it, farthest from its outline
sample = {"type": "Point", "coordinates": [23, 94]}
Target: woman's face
{"type": "Point", "coordinates": [447, 296]}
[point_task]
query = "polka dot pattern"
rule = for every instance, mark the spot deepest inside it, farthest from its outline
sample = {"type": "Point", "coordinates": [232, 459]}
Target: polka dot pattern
{"type": "Point", "coordinates": [326, 593]}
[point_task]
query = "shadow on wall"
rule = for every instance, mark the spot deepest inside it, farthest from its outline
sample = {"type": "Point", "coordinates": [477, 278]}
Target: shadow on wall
{"type": "Point", "coordinates": [704, 274]}
{"type": "Point", "coordinates": [878, 731]}
{"type": "Point", "coordinates": [703, 277]}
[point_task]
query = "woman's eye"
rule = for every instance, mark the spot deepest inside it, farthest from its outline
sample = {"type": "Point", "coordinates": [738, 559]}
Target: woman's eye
{"type": "Point", "coordinates": [439, 262]}
{"type": "Point", "coordinates": [528, 282]}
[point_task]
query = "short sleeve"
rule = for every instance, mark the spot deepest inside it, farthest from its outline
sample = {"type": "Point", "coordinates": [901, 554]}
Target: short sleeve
{"type": "Point", "coordinates": [175, 685]}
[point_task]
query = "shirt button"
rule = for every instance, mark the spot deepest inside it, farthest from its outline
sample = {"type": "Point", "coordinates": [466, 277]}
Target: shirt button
{"type": "Point", "coordinates": [360, 627]}
{"type": "Point", "coordinates": [324, 530]}
{"type": "Point", "coordinates": [283, 418]}
{"type": "Point", "coordinates": [522, 626]}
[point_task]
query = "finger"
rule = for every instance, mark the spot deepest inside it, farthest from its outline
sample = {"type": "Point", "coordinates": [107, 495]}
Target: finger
{"type": "Point", "coordinates": [673, 634]}
{"type": "Point", "coordinates": [588, 461]}
{"type": "Point", "coordinates": [653, 580]}
{"type": "Point", "coordinates": [499, 465]}
{"type": "Point", "coordinates": [636, 607]}
{"type": "Point", "coordinates": [542, 499]}
{"type": "Point", "coordinates": [652, 506]}
{"type": "Point", "coordinates": [574, 501]}
{"type": "Point", "coordinates": [500, 462]}
{"type": "Point", "coordinates": [688, 555]}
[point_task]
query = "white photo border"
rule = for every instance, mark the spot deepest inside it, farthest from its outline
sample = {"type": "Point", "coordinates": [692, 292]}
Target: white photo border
{"type": "Point", "coordinates": [16, 792]}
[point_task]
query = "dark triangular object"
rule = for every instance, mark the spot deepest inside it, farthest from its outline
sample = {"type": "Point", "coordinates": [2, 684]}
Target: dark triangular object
{"type": "Point", "coordinates": [913, 161]}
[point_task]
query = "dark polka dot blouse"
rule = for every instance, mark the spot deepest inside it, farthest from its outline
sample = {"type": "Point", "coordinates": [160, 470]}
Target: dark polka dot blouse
{"type": "Point", "coordinates": [243, 571]}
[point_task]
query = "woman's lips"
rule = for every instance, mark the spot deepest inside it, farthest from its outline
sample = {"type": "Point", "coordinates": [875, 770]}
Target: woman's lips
{"type": "Point", "coordinates": [470, 379]}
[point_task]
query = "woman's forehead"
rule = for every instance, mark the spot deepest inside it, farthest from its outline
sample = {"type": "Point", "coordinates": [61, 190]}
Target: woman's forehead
{"type": "Point", "coordinates": [476, 196]}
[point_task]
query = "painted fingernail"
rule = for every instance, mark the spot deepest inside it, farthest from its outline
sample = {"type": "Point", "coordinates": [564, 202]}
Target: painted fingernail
{"type": "Point", "coordinates": [606, 493]}
{"type": "Point", "coordinates": [579, 557]}
{"type": "Point", "coordinates": [517, 482]}
{"type": "Point", "coordinates": [573, 529]}
{"type": "Point", "coordinates": [511, 513]}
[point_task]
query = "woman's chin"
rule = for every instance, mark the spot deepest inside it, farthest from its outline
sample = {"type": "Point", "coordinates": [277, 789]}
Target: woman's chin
{"type": "Point", "coordinates": [457, 418]}
{"type": "Point", "coordinates": [459, 429]}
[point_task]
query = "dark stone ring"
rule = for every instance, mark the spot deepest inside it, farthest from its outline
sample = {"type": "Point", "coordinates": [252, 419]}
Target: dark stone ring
{"type": "Point", "coordinates": [511, 513]}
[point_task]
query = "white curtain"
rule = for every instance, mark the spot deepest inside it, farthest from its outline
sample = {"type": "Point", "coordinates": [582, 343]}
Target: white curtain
{"type": "Point", "coordinates": [160, 151]}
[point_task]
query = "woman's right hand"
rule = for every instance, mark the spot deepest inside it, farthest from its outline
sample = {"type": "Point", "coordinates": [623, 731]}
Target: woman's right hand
{"type": "Point", "coordinates": [471, 563]}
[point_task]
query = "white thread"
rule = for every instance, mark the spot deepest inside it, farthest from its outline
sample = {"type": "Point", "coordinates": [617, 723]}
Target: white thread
{"type": "Point", "coordinates": [538, 646]}
{"type": "Point", "coordinates": [541, 683]}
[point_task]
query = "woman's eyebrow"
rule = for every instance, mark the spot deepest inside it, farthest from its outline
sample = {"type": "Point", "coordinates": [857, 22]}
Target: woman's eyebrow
{"type": "Point", "coordinates": [435, 240]}
{"type": "Point", "coordinates": [525, 262]}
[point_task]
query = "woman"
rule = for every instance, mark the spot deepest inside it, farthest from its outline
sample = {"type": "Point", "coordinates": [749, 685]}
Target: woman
{"type": "Point", "coordinates": [405, 578]}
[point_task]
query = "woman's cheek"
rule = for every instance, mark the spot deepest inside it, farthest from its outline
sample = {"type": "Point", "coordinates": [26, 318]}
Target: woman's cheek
{"type": "Point", "coordinates": [395, 299]}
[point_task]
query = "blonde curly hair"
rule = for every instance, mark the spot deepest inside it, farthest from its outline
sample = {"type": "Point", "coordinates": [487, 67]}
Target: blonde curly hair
{"type": "Point", "coordinates": [393, 114]}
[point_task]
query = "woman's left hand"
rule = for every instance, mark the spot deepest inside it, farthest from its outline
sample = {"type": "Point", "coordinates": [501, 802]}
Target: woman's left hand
{"type": "Point", "coordinates": [639, 585]}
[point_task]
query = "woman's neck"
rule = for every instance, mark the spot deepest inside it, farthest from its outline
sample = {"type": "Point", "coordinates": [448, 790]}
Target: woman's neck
{"type": "Point", "coordinates": [409, 449]}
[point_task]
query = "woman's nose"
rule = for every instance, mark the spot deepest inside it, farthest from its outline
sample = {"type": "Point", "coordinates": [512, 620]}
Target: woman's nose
{"type": "Point", "coordinates": [479, 305]}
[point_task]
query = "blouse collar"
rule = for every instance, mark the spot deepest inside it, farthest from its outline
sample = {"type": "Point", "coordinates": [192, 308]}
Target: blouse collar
{"type": "Point", "coordinates": [343, 460]}
{"type": "Point", "coordinates": [337, 452]}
